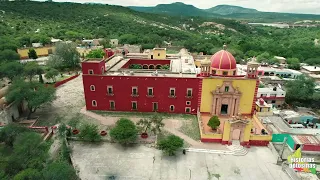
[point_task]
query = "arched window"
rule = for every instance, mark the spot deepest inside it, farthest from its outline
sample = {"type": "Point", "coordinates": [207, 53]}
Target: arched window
{"type": "Point", "coordinates": [151, 66]}
{"type": "Point", "coordinates": [94, 103]}
{"type": "Point", "coordinates": [92, 88]}
{"type": "Point", "coordinates": [158, 66]}
{"type": "Point", "coordinates": [145, 67]}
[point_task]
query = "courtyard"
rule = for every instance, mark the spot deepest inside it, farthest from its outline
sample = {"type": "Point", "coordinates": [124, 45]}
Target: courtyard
{"type": "Point", "coordinates": [112, 161]}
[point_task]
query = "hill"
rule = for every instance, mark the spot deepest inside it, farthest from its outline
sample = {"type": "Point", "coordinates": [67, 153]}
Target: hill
{"type": "Point", "coordinates": [226, 11]}
{"type": "Point", "coordinates": [177, 8]}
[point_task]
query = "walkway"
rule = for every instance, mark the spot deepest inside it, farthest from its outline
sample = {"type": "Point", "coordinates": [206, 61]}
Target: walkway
{"type": "Point", "coordinates": [171, 126]}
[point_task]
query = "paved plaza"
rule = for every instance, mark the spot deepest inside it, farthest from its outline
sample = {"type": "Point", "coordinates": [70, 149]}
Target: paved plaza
{"type": "Point", "coordinates": [112, 161]}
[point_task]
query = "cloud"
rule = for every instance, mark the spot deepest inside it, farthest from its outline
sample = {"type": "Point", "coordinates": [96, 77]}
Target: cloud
{"type": "Point", "coordinates": [296, 6]}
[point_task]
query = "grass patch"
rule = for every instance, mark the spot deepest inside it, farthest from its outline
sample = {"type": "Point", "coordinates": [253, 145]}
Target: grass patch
{"type": "Point", "coordinates": [191, 128]}
{"type": "Point", "coordinates": [143, 114]}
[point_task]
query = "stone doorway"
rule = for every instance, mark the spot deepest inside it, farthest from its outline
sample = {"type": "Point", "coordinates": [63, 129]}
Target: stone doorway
{"type": "Point", "coordinates": [236, 134]}
{"type": "Point", "coordinates": [224, 109]}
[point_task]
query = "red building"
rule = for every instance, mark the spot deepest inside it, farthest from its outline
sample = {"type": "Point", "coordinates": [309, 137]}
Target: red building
{"type": "Point", "coordinates": [144, 85]}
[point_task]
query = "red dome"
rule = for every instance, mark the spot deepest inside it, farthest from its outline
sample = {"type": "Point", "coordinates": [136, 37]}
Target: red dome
{"type": "Point", "coordinates": [223, 60]}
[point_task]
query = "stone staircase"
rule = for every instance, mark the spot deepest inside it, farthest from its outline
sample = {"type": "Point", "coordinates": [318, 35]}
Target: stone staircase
{"type": "Point", "coordinates": [235, 149]}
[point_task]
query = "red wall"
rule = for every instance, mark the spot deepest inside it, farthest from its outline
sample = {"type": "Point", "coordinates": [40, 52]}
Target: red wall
{"type": "Point", "coordinates": [57, 84]}
{"type": "Point", "coordinates": [96, 66]}
{"type": "Point", "coordinates": [146, 62]}
{"type": "Point", "coordinates": [122, 88]}
{"type": "Point", "coordinates": [108, 53]}
{"type": "Point", "coordinates": [311, 147]}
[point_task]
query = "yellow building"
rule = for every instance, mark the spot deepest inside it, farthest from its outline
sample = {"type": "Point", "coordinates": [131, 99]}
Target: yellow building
{"type": "Point", "coordinates": [158, 53]}
{"type": "Point", "coordinates": [41, 51]}
{"type": "Point", "coordinates": [232, 98]}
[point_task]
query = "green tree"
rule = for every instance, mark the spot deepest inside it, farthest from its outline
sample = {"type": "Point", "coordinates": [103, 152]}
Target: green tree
{"type": "Point", "coordinates": [9, 54]}
{"type": "Point", "coordinates": [90, 132]}
{"type": "Point", "coordinates": [263, 57]}
{"type": "Point", "coordinates": [97, 53]}
{"type": "Point", "coordinates": [34, 93]}
{"type": "Point", "coordinates": [31, 69]}
{"type": "Point", "coordinates": [11, 70]}
{"type": "Point", "coordinates": [32, 54]}
{"type": "Point", "coordinates": [52, 74]}
{"type": "Point", "coordinates": [214, 122]}
{"type": "Point", "coordinates": [124, 132]}
{"type": "Point", "coordinates": [170, 144]}
{"type": "Point", "coordinates": [65, 56]}
{"type": "Point", "coordinates": [293, 63]}
{"type": "Point", "coordinates": [313, 61]}
{"type": "Point", "coordinates": [28, 174]}
{"type": "Point", "coordinates": [59, 170]}
{"type": "Point", "coordinates": [9, 133]}
{"type": "Point", "coordinates": [300, 91]}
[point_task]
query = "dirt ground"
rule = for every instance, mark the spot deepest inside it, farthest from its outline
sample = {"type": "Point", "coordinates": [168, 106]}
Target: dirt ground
{"type": "Point", "coordinates": [67, 106]}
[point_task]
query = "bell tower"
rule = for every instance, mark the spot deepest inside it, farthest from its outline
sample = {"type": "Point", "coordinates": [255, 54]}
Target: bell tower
{"type": "Point", "coordinates": [205, 68]}
{"type": "Point", "coordinates": [252, 68]}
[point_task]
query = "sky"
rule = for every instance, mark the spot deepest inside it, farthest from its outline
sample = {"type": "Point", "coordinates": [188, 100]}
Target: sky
{"type": "Point", "coordinates": [294, 6]}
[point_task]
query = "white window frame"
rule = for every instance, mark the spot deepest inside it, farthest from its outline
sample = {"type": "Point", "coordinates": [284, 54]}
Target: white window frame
{"type": "Point", "coordinates": [114, 104]}
{"type": "Point", "coordinates": [152, 91]}
{"type": "Point", "coordinates": [189, 89]}
{"type": "Point", "coordinates": [174, 92]}
{"type": "Point", "coordinates": [171, 110]}
{"type": "Point", "coordinates": [153, 106]}
{"type": "Point", "coordinates": [90, 71]}
{"type": "Point", "coordinates": [132, 102]}
{"type": "Point", "coordinates": [136, 88]}
{"type": "Point", "coordinates": [185, 110]}
{"type": "Point", "coordinates": [112, 92]}
{"type": "Point", "coordinates": [92, 88]}
{"type": "Point", "coordinates": [94, 103]}
{"type": "Point", "coordinates": [188, 103]}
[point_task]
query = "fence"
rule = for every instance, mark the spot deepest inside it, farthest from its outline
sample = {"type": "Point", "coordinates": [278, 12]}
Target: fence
{"type": "Point", "coordinates": [57, 84]}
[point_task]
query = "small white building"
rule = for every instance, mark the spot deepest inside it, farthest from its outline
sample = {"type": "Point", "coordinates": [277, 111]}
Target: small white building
{"type": "Point", "coordinates": [272, 95]}
{"type": "Point", "coordinates": [114, 42]}
{"type": "Point", "coordinates": [282, 60]}
{"type": "Point", "coordinates": [312, 69]}
{"type": "Point", "coordinates": [36, 45]}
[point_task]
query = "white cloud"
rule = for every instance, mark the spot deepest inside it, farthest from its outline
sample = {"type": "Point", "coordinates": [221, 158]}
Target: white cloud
{"type": "Point", "coordinates": [297, 6]}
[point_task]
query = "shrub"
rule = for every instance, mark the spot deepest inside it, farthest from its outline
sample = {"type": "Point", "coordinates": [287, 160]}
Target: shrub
{"type": "Point", "coordinates": [124, 132]}
{"type": "Point", "coordinates": [90, 132]}
{"type": "Point", "coordinates": [170, 144]}
{"type": "Point", "coordinates": [214, 122]}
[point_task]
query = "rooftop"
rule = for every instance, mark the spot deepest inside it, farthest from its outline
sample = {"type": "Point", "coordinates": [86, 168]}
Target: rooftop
{"type": "Point", "coordinates": [180, 66]}
{"type": "Point", "coordinates": [311, 68]}
{"type": "Point", "coordinates": [269, 89]}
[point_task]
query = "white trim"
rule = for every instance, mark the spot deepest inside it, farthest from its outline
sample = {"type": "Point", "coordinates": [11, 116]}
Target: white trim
{"type": "Point", "coordinates": [92, 88]}
{"type": "Point", "coordinates": [188, 103]}
{"type": "Point", "coordinates": [185, 110]}
{"type": "Point", "coordinates": [92, 103]}
{"type": "Point", "coordinates": [148, 91]}
{"type": "Point", "coordinates": [188, 91]}
{"type": "Point", "coordinates": [136, 105]}
{"type": "Point", "coordinates": [90, 70]}
{"type": "Point", "coordinates": [170, 108]}
{"type": "Point", "coordinates": [114, 105]}
{"type": "Point", "coordinates": [174, 91]}
{"type": "Point", "coordinates": [108, 89]}
{"type": "Point", "coordinates": [134, 87]}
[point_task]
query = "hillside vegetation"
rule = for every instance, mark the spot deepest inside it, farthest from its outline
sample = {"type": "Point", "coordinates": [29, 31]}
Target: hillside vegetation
{"type": "Point", "coordinates": [22, 23]}
{"type": "Point", "coordinates": [226, 11]}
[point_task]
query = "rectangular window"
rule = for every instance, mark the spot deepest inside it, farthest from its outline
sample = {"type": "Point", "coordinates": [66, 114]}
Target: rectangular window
{"type": "Point", "coordinates": [172, 92]}
{"type": "Point", "coordinates": [155, 106]}
{"type": "Point", "coordinates": [94, 103]}
{"type": "Point", "coordinates": [171, 108]}
{"type": "Point", "coordinates": [134, 105]}
{"type": "Point", "coordinates": [90, 71]}
{"type": "Point", "coordinates": [110, 90]}
{"type": "Point", "coordinates": [134, 91]}
{"type": "Point", "coordinates": [188, 110]}
{"type": "Point", "coordinates": [226, 89]}
{"type": "Point", "coordinates": [273, 101]}
{"type": "Point", "coordinates": [273, 95]}
{"type": "Point", "coordinates": [150, 91]}
{"type": "Point", "coordinates": [189, 92]}
{"type": "Point", "coordinates": [158, 54]}
{"type": "Point", "coordinates": [112, 105]}
{"type": "Point", "coordinates": [225, 73]}
{"type": "Point", "coordinates": [188, 103]}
